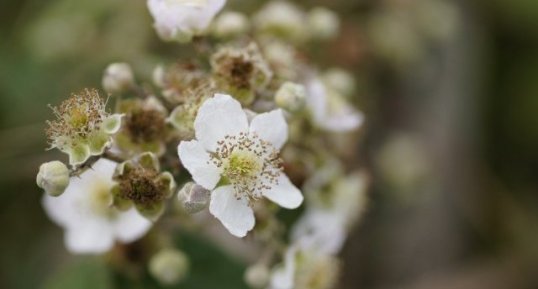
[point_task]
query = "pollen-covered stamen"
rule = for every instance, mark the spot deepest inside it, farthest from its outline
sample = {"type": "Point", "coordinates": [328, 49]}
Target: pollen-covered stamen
{"type": "Point", "coordinates": [77, 117]}
{"type": "Point", "coordinates": [142, 185]}
{"type": "Point", "coordinates": [145, 125]}
{"type": "Point", "coordinates": [239, 71]}
{"type": "Point", "coordinates": [250, 164]}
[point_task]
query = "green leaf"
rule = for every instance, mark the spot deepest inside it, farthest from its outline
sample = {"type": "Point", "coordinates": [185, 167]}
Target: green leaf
{"type": "Point", "coordinates": [86, 273]}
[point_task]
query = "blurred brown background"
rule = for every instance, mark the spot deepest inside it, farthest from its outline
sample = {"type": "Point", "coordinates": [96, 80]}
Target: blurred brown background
{"type": "Point", "coordinates": [450, 90]}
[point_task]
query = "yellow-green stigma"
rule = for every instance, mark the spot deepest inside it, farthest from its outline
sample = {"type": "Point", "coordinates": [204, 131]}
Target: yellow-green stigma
{"type": "Point", "coordinates": [242, 164]}
{"type": "Point", "coordinates": [250, 164]}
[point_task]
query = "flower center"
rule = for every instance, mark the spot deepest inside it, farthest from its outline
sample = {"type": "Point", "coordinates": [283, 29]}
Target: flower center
{"type": "Point", "coordinates": [249, 163]}
{"type": "Point", "coordinates": [145, 125]}
{"type": "Point", "coordinates": [142, 186]}
{"type": "Point", "coordinates": [77, 118]}
{"type": "Point", "coordinates": [242, 164]}
{"type": "Point", "coordinates": [101, 200]}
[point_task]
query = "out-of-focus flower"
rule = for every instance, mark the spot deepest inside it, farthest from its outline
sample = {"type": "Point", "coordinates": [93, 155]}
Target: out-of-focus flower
{"type": "Point", "coordinates": [323, 23]}
{"type": "Point", "coordinates": [394, 39]}
{"type": "Point", "coordinates": [182, 117]}
{"type": "Point", "coordinates": [257, 276]}
{"type": "Point", "coordinates": [281, 57]}
{"type": "Point", "coordinates": [180, 80]}
{"type": "Point", "coordinates": [53, 177]}
{"type": "Point", "coordinates": [180, 20]}
{"type": "Point", "coordinates": [86, 214]}
{"type": "Point", "coordinates": [118, 78]}
{"type": "Point", "coordinates": [340, 80]}
{"type": "Point", "coordinates": [241, 71]}
{"type": "Point", "coordinates": [169, 266]}
{"type": "Point", "coordinates": [403, 162]}
{"type": "Point", "coordinates": [242, 157]}
{"type": "Point", "coordinates": [83, 128]}
{"type": "Point", "coordinates": [281, 19]}
{"type": "Point", "coordinates": [230, 24]}
{"type": "Point", "coordinates": [305, 269]}
{"type": "Point", "coordinates": [335, 202]}
{"type": "Point", "coordinates": [290, 96]}
{"type": "Point", "coordinates": [140, 183]}
{"type": "Point", "coordinates": [144, 127]}
{"type": "Point", "coordinates": [329, 109]}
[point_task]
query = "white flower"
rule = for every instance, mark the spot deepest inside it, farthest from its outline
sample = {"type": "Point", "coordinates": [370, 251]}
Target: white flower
{"type": "Point", "coordinates": [243, 157]}
{"type": "Point", "coordinates": [118, 78]}
{"type": "Point", "coordinates": [230, 24]}
{"type": "Point", "coordinates": [304, 268]}
{"type": "Point", "coordinates": [335, 204]}
{"type": "Point", "coordinates": [283, 19]}
{"type": "Point", "coordinates": [329, 109]}
{"type": "Point", "coordinates": [84, 211]}
{"type": "Point", "coordinates": [182, 19]}
{"type": "Point", "coordinates": [323, 23]}
{"type": "Point", "coordinates": [341, 80]}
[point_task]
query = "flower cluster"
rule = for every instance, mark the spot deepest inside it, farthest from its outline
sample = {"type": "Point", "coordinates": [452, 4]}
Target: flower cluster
{"type": "Point", "coordinates": [249, 127]}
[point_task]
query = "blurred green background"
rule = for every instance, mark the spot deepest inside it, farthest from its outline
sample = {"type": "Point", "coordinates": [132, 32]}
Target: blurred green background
{"type": "Point", "coordinates": [451, 138]}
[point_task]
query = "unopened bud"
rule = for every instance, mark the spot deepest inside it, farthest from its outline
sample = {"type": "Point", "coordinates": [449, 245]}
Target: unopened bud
{"type": "Point", "coordinates": [169, 266]}
{"type": "Point", "coordinates": [229, 24]}
{"type": "Point", "coordinates": [290, 96]}
{"type": "Point", "coordinates": [257, 276]}
{"type": "Point", "coordinates": [323, 23]}
{"type": "Point", "coordinates": [53, 177]}
{"type": "Point", "coordinates": [118, 78]}
{"type": "Point", "coordinates": [193, 197]}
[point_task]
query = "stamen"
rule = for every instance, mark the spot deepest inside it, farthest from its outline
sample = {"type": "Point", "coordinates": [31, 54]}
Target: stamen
{"type": "Point", "coordinates": [251, 164]}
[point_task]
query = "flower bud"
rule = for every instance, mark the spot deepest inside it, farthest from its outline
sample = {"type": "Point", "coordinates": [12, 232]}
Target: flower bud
{"type": "Point", "coordinates": [53, 177]}
{"type": "Point", "coordinates": [290, 96]}
{"type": "Point", "coordinates": [257, 276]}
{"type": "Point", "coordinates": [169, 266]}
{"type": "Point", "coordinates": [118, 77]}
{"type": "Point", "coordinates": [229, 24]}
{"type": "Point", "coordinates": [194, 198]}
{"type": "Point", "coordinates": [323, 23]}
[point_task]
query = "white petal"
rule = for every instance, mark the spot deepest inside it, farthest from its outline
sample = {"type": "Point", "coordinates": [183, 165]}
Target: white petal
{"type": "Point", "coordinates": [180, 17]}
{"type": "Point", "coordinates": [322, 231]}
{"type": "Point", "coordinates": [285, 193]}
{"type": "Point", "coordinates": [89, 237]}
{"type": "Point", "coordinates": [271, 127]}
{"type": "Point", "coordinates": [197, 161]}
{"type": "Point", "coordinates": [217, 117]}
{"type": "Point", "coordinates": [345, 120]}
{"type": "Point", "coordinates": [282, 277]}
{"type": "Point", "coordinates": [234, 214]}
{"type": "Point", "coordinates": [131, 226]}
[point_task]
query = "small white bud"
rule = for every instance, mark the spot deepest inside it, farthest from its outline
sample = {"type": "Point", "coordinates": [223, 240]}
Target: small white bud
{"type": "Point", "coordinates": [323, 23]}
{"type": "Point", "coordinates": [118, 77]}
{"type": "Point", "coordinates": [340, 80]}
{"type": "Point", "coordinates": [193, 197]}
{"type": "Point", "coordinates": [53, 177]}
{"type": "Point", "coordinates": [230, 24]}
{"type": "Point", "coordinates": [257, 276]}
{"type": "Point", "coordinates": [291, 96]}
{"type": "Point", "coordinates": [169, 266]}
